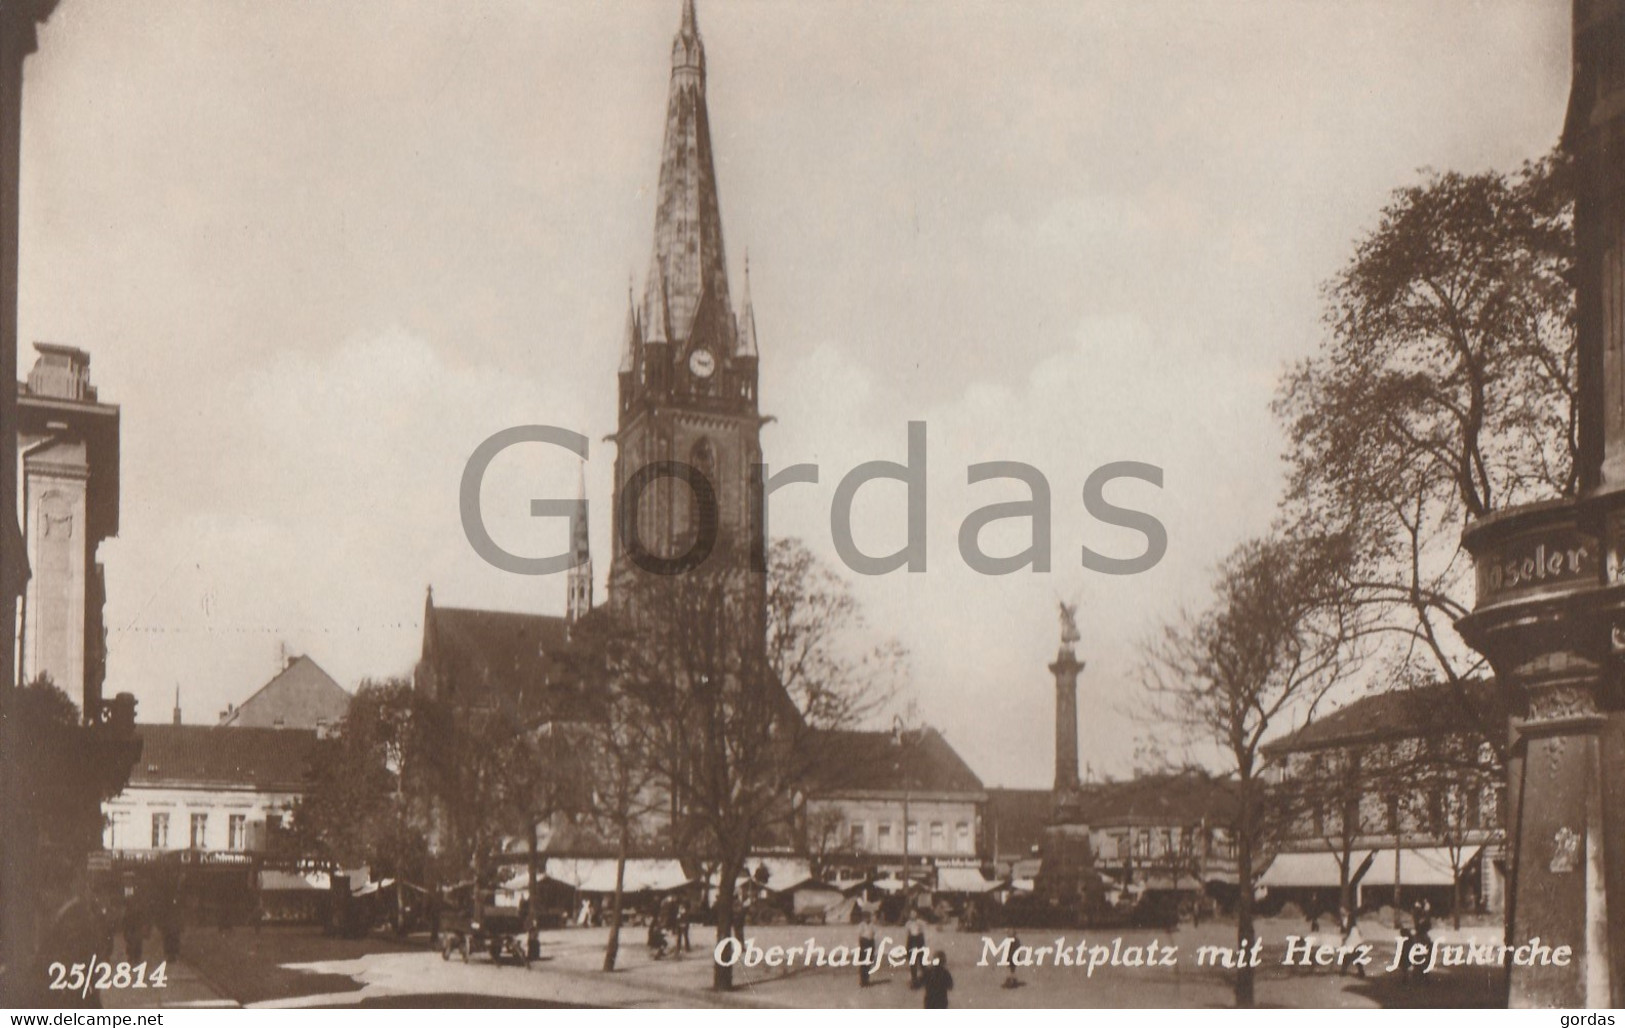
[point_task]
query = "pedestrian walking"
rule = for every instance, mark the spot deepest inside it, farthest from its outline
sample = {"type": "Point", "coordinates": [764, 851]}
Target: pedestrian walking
{"type": "Point", "coordinates": [938, 983]}
{"type": "Point", "coordinates": [1352, 940]}
{"type": "Point", "coordinates": [1008, 960]}
{"type": "Point", "coordinates": [866, 949]}
{"type": "Point", "coordinates": [135, 928]}
{"type": "Point", "coordinates": [683, 917]}
{"type": "Point", "coordinates": [914, 932]}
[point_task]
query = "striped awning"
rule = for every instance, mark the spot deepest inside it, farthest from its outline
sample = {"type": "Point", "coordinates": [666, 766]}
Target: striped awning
{"type": "Point", "coordinates": [1418, 866]}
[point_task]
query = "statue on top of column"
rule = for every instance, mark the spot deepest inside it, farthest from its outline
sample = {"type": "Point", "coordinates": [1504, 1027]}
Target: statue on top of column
{"type": "Point", "coordinates": [1069, 625]}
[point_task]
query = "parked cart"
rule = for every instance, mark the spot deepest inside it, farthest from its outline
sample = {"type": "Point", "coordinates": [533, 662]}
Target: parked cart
{"type": "Point", "coordinates": [499, 931]}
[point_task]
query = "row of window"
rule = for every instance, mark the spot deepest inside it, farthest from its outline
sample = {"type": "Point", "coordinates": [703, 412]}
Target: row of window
{"type": "Point", "coordinates": [885, 840]}
{"type": "Point", "coordinates": [236, 831]}
{"type": "Point", "coordinates": [1442, 810]}
{"type": "Point", "coordinates": [1161, 843]}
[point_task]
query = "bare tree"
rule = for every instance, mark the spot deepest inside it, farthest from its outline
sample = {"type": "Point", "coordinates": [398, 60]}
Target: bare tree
{"type": "Point", "coordinates": [1262, 654]}
{"type": "Point", "coordinates": [613, 774]}
{"type": "Point", "coordinates": [824, 825]}
{"type": "Point", "coordinates": [816, 646]}
{"type": "Point", "coordinates": [1327, 797]}
{"type": "Point", "coordinates": [1452, 782]}
{"type": "Point", "coordinates": [732, 678]}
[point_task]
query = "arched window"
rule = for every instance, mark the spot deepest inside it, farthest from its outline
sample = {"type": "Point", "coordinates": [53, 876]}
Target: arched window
{"type": "Point", "coordinates": [703, 458]}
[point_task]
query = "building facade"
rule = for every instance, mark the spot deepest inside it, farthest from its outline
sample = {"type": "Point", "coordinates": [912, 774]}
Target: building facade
{"type": "Point", "coordinates": [208, 789]}
{"type": "Point", "coordinates": [883, 802]}
{"type": "Point", "coordinates": [68, 447]}
{"type": "Point", "coordinates": [1397, 797]}
{"type": "Point", "coordinates": [230, 787]}
{"type": "Point", "coordinates": [1168, 831]}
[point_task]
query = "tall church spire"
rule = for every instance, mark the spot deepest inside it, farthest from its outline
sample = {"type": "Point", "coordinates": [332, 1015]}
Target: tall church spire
{"type": "Point", "coordinates": [688, 384]}
{"type": "Point", "coordinates": [688, 252]}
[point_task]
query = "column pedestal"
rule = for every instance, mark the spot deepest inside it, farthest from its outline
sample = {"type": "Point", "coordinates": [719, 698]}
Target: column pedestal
{"type": "Point", "coordinates": [1066, 669]}
{"type": "Point", "coordinates": [1550, 618]}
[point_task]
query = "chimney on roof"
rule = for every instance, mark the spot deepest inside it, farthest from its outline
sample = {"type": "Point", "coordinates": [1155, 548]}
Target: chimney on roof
{"type": "Point", "coordinates": [61, 372]}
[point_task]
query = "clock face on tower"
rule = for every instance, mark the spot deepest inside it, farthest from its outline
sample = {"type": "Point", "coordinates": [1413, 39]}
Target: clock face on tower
{"type": "Point", "coordinates": [701, 363]}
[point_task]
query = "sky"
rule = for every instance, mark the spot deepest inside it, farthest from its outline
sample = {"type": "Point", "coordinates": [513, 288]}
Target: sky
{"type": "Point", "coordinates": [319, 251]}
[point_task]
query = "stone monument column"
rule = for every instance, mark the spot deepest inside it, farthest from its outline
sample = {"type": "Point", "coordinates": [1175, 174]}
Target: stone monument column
{"type": "Point", "coordinates": [1550, 613]}
{"type": "Point", "coordinates": [1066, 669]}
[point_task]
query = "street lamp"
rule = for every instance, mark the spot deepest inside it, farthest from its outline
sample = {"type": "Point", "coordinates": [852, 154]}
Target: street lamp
{"type": "Point", "coordinates": [899, 739]}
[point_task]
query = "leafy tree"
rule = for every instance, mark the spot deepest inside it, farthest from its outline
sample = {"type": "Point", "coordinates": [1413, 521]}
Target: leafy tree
{"type": "Point", "coordinates": [65, 769]}
{"type": "Point", "coordinates": [368, 791]}
{"type": "Point", "coordinates": [59, 771]}
{"type": "Point", "coordinates": [1445, 390]}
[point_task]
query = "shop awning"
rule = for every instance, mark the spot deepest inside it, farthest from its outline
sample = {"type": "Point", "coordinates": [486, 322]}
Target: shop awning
{"type": "Point", "coordinates": [781, 871]}
{"type": "Point", "coordinates": [272, 880]}
{"type": "Point", "coordinates": [1305, 871]}
{"type": "Point", "coordinates": [963, 879]}
{"type": "Point", "coordinates": [598, 875]}
{"type": "Point", "coordinates": [1419, 865]}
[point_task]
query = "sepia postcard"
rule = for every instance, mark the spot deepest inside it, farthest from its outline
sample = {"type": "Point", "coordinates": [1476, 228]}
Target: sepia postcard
{"type": "Point", "coordinates": [846, 504]}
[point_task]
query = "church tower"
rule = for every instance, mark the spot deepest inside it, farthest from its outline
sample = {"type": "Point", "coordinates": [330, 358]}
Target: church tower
{"type": "Point", "coordinates": [687, 488]}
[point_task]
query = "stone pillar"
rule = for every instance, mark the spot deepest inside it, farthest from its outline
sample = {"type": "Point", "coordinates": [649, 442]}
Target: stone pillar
{"type": "Point", "coordinates": [1066, 669]}
{"type": "Point", "coordinates": [1545, 620]}
{"type": "Point", "coordinates": [1550, 613]}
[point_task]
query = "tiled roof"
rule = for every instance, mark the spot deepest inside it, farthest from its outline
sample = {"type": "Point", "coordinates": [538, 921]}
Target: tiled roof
{"type": "Point", "coordinates": [874, 761]}
{"type": "Point", "coordinates": [487, 656]}
{"type": "Point", "coordinates": [265, 759]}
{"type": "Point", "coordinates": [1174, 798]}
{"type": "Point", "coordinates": [1432, 710]}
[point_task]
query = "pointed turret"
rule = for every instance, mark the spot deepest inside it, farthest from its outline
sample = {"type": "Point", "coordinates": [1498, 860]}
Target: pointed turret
{"type": "Point", "coordinates": [633, 340]}
{"type": "Point", "coordinates": [657, 314]}
{"type": "Point", "coordinates": [747, 319]}
{"type": "Point", "coordinates": [579, 586]}
{"type": "Point", "coordinates": [687, 52]}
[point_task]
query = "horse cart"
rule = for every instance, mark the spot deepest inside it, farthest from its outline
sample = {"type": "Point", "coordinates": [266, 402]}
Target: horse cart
{"type": "Point", "coordinates": [499, 931]}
